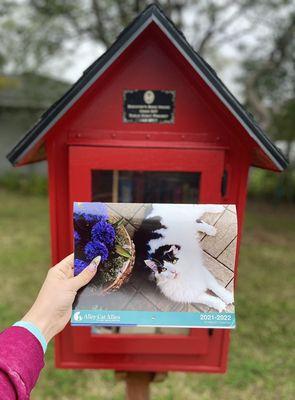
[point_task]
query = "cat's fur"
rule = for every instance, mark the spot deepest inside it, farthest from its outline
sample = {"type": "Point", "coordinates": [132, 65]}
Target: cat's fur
{"type": "Point", "coordinates": [174, 254]}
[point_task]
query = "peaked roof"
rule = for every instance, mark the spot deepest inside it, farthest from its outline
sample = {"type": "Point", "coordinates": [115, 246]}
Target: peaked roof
{"type": "Point", "coordinates": [152, 13]}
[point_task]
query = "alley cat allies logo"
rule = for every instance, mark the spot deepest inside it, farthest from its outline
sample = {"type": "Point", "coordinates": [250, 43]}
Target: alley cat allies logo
{"type": "Point", "coordinates": [77, 317]}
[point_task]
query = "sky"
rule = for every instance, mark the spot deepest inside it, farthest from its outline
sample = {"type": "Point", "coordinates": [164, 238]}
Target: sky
{"type": "Point", "coordinates": [225, 54]}
{"type": "Point", "coordinates": [72, 66]}
{"type": "Point", "coordinates": [227, 64]}
{"type": "Point", "coordinates": [255, 24]}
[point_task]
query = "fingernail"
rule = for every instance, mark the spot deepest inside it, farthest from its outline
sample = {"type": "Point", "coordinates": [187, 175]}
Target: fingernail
{"type": "Point", "coordinates": [94, 263]}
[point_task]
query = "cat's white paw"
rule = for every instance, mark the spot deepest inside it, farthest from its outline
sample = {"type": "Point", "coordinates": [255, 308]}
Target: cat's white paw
{"type": "Point", "coordinates": [211, 230]}
{"type": "Point", "coordinates": [219, 305]}
{"type": "Point", "coordinates": [228, 297]}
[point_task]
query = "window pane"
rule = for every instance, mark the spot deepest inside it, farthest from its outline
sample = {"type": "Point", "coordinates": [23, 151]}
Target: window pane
{"type": "Point", "coordinates": [145, 186]}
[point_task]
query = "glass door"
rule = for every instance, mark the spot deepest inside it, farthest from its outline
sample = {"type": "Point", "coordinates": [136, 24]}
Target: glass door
{"type": "Point", "coordinates": [137, 175]}
{"type": "Point", "coordinates": [145, 186]}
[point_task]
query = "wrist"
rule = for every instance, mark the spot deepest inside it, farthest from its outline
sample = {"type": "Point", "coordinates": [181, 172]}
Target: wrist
{"type": "Point", "coordinates": [43, 323]}
{"type": "Point", "coordinates": [34, 330]}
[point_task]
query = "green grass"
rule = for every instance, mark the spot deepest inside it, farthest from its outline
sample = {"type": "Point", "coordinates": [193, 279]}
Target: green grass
{"type": "Point", "coordinates": [262, 352]}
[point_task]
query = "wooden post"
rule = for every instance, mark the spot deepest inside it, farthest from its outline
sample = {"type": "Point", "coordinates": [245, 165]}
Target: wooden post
{"type": "Point", "coordinates": [138, 385]}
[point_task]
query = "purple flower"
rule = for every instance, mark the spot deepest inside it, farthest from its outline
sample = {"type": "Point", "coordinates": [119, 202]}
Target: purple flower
{"type": "Point", "coordinates": [103, 232]}
{"type": "Point", "coordinates": [92, 218]}
{"type": "Point", "coordinates": [91, 208]}
{"type": "Point", "coordinates": [89, 218]}
{"type": "Point", "coordinates": [94, 249]}
{"type": "Point", "coordinates": [79, 265]}
{"type": "Point", "coordinates": [77, 237]}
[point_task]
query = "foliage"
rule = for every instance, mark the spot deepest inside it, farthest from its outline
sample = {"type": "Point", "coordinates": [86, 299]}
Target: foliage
{"type": "Point", "coordinates": [269, 70]}
{"type": "Point", "coordinates": [283, 125]}
{"type": "Point", "coordinates": [268, 75]}
{"type": "Point", "coordinates": [31, 31]}
{"type": "Point", "coordinates": [263, 185]}
{"type": "Point", "coordinates": [261, 354]}
{"type": "Point", "coordinates": [29, 184]}
{"type": "Point", "coordinates": [266, 185]}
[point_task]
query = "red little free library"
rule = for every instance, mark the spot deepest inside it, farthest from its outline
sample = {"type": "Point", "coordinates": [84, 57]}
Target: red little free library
{"type": "Point", "coordinates": [148, 122]}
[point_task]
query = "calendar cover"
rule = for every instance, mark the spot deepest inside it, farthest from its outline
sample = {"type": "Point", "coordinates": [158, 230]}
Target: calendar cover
{"type": "Point", "coordinates": [162, 265]}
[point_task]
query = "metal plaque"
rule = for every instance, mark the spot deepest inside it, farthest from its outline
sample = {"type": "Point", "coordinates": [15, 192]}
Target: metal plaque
{"type": "Point", "coordinates": [149, 106]}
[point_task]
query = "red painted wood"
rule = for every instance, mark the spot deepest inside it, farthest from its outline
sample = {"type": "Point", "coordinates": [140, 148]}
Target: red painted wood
{"type": "Point", "coordinates": [199, 114]}
{"type": "Point", "coordinates": [98, 114]}
{"type": "Point", "coordinates": [92, 135]}
{"type": "Point", "coordinates": [213, 361]}
{"type": "Point", "coordinates": [151, 54]}
{"type": "Point", "coordinates": [153, 62]}
{"type": "Point", "coordinates": [86, 158]}
{"type": "Point", "coordinates": [82, 161]}
{"type": "Point", "coordinates": [85, 343]}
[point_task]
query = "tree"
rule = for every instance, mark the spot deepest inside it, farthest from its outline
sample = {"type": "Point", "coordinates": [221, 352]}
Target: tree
{"type": "Point", "coordinates": [269, 77]}
{"type": "Point", "coordinates": [31, 31]}
{"type": "Point", "coordinates": [269, 73]}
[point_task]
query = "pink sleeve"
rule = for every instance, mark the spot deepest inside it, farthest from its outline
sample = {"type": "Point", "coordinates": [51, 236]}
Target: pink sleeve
{"type": "Point", "coordinates": [21, 360]}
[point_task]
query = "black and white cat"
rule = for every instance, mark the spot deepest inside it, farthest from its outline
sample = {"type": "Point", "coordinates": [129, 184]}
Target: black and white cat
{"type": "Point", "coordinates": [174, 254]}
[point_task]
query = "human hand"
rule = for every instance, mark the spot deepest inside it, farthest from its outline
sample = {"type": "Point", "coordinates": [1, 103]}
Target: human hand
{"type": "Point", "coordinates": [53, 306]}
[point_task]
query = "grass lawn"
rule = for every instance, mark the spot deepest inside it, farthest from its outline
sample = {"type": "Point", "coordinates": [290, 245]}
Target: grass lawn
{"type": "Point", "coordinates": [261, 364]}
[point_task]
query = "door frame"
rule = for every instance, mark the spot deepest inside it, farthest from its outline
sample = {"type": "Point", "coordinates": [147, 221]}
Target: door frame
{"type": "Point", "coordinates": [84, 159]}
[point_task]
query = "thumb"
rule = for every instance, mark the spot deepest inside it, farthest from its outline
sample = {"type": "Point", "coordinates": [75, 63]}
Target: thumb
{"type": "Point", "coordinates": [86, 275]}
